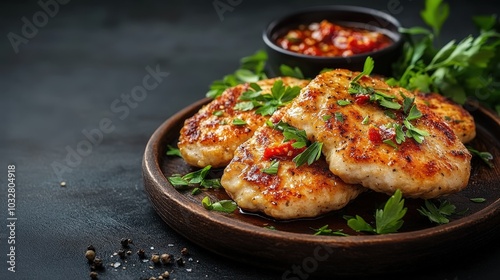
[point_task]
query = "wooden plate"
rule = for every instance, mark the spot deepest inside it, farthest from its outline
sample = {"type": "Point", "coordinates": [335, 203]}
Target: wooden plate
{"type": "Point", "coordinates": [248, 237]}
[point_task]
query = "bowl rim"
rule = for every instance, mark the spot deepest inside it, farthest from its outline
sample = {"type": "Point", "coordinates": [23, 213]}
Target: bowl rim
{"type": "Point", "coordinates": [270, 26]}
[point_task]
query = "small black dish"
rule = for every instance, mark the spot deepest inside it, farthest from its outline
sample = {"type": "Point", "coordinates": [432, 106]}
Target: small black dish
{"type": "Point", "coordinates": [349, 16]}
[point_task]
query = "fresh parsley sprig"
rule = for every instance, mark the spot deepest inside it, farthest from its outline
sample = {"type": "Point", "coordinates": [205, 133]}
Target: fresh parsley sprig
{"type": "Point", "coordinates": [460, 70]}
{"type": "Point", "coordinates": [486, 157]}
{"type": "Point", "coordinates": [387, 220]}
{"type": "Point", "coordinates": [437, 214]}
{"type": "Point", "coordinates": [266, 104]}
{"type": "Point", "coordinates": [193, 179]}
{"type": "Point", "coordinates": [313, 151]}
{"type": "Point", "coordinates": [251, 70]}
{"type": "Point", "coordinates": [226, 206]}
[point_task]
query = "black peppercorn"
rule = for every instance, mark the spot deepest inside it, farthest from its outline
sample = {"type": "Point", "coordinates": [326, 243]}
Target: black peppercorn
{"type": "Point", "coordinates": [126, 242]}
{"type": "Point", "coordinates": [97, 263]}
{"type": "Point", "coordinates": [90, 247]}
{"type": "Point", "coordinates": [180, 262]}
{"type": "Point", "coordinates": [141, 253]}
{"type": "Point", "coordinates": [121, 253]}
{"type": "Point", "coordinates": [184, 252]}
{"type": "Point", "coordinates": [93, 275]}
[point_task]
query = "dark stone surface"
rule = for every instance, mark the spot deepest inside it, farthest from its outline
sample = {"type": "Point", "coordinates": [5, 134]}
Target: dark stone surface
{"type": "Point", "coordinates": [75, 72]}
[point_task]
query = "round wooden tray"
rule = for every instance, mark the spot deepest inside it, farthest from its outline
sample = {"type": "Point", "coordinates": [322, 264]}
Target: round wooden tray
{"type": "Point", "coordinates": [247, 237]}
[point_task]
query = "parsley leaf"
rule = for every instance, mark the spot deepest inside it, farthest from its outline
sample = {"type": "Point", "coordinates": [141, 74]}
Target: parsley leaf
{"type": "Point", "coordinates": [478, 199]}
{"type": "Point", "coordinates": [172, 151]}
{"type": "Point", "coordinates": [273, 168]}
{"type": "Point", "coordinates": [291, 72]}
{"type": "Point", "coordinates": [324, 230]}
{"type": "Point", "coordinates": [226, 206]}
{"type": "Point", "coordinates": [437, 214]}
{"type": "Point", "coordinates": [194, 178]}
{"type": "Point", "coordinates": [310, 155]}
{"type": "Point", "coordinates": [435, 14]}
{"type": "Point", "coordinates": [484, 156]}
{"type": "Point", "coordinates": [459, 70]}
{"type": "Point", "coordinates": [251, 70]}
{"type": "Point", "coordinates": [367, 69]}
{"type": "Point", "coordinates": [387, 220]}
{"type": "Point", "coordinates": [239, 122]}
{"type": "Point", "coordinates": [264, 103]}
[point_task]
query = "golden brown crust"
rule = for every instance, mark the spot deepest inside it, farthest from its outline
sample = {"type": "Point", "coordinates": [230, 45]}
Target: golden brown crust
{"type": "Point", "coordinates": [210, 139]}
{"type": "Point", "coordinates": [294, 192]}
{"type": "Point", "coordinates": [457, 118]}
{"type": "Point", "coordinates": [438, 166]}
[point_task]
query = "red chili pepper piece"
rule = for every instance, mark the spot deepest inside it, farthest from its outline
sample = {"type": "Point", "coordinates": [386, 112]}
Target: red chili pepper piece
{"type": "Point", "coordinates": [282, 151]}
{"type": "Point", "coordinates": [361, 99]}
{"type": "Point", "coordinates": [374, 135]}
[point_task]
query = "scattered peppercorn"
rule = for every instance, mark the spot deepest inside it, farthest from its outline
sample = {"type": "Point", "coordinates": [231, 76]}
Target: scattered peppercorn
{"type": "Point", "coordinates": [91, 247]}
{"type": "Point", "coordinates": [152, 278]}
{"type": "Point", "coordinates": [126, 242]}
{"type": "Point", "coordinates": [165, 274]}
{"type": "Point", "coordinates": [155, 258]}
{"type": "Point", "coordinates": [63, 184]}
{"type": "Point", "coordinates": [90, 255]}
{"type": "Point", "coordinates": [97, 263]}
{"type": "Point", "coordinates": [141, 253]}
{"type": "Point", "coordinates": [121, 253]}
{"type": "Point", "coordinates": [129, 252]}
{"type": "Point", "coordinates": [166, 258]}
{"type": "Point", "coordinates": [180, 261]}
{"type": "Point", "coordinates": [93, 275]}
{"type": "Point", "coordinates": [184, 251]}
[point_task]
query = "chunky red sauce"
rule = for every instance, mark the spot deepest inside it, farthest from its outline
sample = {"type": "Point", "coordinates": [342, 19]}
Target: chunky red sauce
{"type": "Point", "coordinates": [282, 151]}
{"type": "Point", "coordinates": [329, 39]}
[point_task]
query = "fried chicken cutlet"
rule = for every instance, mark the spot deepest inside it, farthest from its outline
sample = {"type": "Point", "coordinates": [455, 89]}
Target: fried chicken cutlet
{"type": "Point", "coordinates": [289, 192]}
{"type": "Point", "coordinates": [210, 137]}
{"type": "Point", "coordinates": [371, 136]}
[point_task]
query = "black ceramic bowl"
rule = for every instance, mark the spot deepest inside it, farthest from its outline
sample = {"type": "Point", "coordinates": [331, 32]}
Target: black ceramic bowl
{"type": "Point", "coordinates": [349, 16]}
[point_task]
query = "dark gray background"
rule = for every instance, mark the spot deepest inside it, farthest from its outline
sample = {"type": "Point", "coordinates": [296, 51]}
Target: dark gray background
{"type": "Point", "coordinates": [64, 80]}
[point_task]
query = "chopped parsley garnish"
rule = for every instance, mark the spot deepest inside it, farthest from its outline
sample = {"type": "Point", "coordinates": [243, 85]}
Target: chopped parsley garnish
{"type": "Point", "coordinates": [387, 220]}
{"type": "Point", "coordinates": [324, 230]}
{"type": "Point", "coordinates": [239, 122]}
{"type": "Point", "coordinates": [366, 120]}
{"type": "Point", "coordinates": [273, 168]}
{"type": "Point", "coordinates": [339, 117]}
{"type": "Point", "coordinates": [478, 199]}
{"type": "Point", "coordinates": [266, 104]}
{"type": "Point", "coordinates": [484, 156]}
{"type": "Point", "coordinates": [313, 151]}
{"type": "Point", "coordinates": [343, 102]}
{"type": "Point", "coordinates": [310, 155]}
{"type": "Point", "coordinates": [226, 206]}
{"type": "Point", "coordinates": [410, 110]}
{"type": "Point", "coordinates": [438, 215]}
{"type": "Point", "coordinates": [291, 72]}
{"type": "Point", "coordinates": [193, 179]}
{"type": "Point", "coordinates": [218, 113]}
{"type": "Point", "coordinates": [326, 117]}
{"type": "Point", "coordinates": [172, 151]}
{"type": "Point", "coordinates": [251, 70]}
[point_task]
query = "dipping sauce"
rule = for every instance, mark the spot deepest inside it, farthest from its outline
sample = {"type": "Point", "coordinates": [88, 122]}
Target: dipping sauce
{"type": "Point", "coordinates": [329, 39]}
